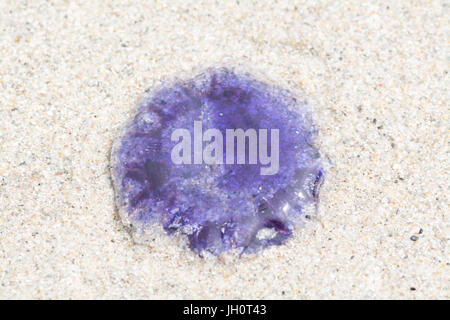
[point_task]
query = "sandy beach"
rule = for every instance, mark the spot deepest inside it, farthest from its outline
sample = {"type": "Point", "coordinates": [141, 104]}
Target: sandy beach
{"type": "Point", "coordinates": [72, 73]}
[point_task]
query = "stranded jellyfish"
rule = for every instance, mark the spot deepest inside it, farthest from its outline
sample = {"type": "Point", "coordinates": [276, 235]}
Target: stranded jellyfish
{"type": "Point", "coordinates": [223, 159]}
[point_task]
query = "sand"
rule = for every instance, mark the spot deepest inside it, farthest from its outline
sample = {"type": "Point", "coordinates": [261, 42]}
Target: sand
{"type": "Point", "coordinates": [71, 73]}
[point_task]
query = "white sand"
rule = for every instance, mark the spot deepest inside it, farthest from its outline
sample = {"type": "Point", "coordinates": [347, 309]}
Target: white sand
{"type": "Point", "coordinates": [71, 74]}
